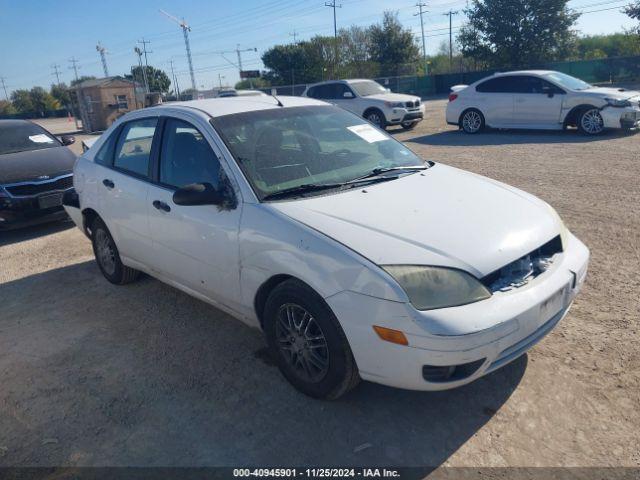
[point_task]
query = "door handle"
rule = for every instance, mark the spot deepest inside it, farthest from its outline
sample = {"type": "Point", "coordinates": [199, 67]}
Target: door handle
{"type": "Point", "coordinates": [161, 206]}
{"type": "Point", "coordinates": [108, 183]}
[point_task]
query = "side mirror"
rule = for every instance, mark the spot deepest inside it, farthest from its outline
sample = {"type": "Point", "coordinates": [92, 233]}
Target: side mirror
{"type": "Point", "coordinates": [197, 194]}
{"type": "Point", "coordinates": [347, 95]}
{"type": "Point", "coordinates": [67, 140]}
{"type": "Point", "coordinates": [548, 91]}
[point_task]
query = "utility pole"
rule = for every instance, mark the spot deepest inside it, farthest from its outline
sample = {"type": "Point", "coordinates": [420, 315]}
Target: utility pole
{"type": "Point", "coordinates": [175, 80]}
{"type": "Point", "coordinates": [293, 67]}
{"type": "Point", "coordinates": [333, 5]}
{"type": "Point", "coordinates": [145, 51]}
{"type": "Point", "coordinates": [185, 31]}
{"type": "Point", "coordinates": [420, 5]}
{"type": "Point", "coordinates": [294, 34]}
{"type": "Point", "coordinates": [56, 72]}
{"type": "Point", "coordinates": [220, 77]}
{"type": "Point", "coordinates": [102, 51]}
{"type": "Point", "coordinates": [74, 66]}
{"type": "Point", "coordinates": [4, 87]}
{"type": "Point", "coordinates": [450, 14]}
{"type": "Point", "coordinates": [144, 70]}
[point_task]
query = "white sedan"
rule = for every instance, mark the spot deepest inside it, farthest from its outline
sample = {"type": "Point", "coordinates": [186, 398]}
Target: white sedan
{"type": "Point", "coordinates": [541, 99]}
{"type": "Point", "coordinates": [356, 258]}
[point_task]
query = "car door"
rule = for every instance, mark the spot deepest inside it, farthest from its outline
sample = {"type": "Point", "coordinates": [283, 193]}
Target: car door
{"type": "Point", "coordinates": [123, 183]}
{"type": "Point", "coordinates": [495, 99]}
{"type": "Point", "coordinates": [195, 246]}
{"type": "Point", "coordinates": [538, 103]}
{"type": "Point", "coordinates": [344, 97]}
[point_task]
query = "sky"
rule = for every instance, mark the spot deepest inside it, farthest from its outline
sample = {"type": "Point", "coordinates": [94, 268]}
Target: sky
{"type": "Point", "coordinates": [37, 34]}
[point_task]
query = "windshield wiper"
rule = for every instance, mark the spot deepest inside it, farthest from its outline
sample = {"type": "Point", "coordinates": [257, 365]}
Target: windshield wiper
{"type": "Point", "coordinates": [379, 171]}
{"type": "Point", "coordinates": [300, 189]}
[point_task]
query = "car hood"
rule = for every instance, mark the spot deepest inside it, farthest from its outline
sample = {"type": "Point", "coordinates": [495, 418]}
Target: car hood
{"type": "Point", "coordinates": [25, 166]}
{"type": "Point", "coordinates": [393, 97]}
{"type": "Point", "coordinates": [602, 92]}
{"type": "Point", "coordinates": [443, 216]}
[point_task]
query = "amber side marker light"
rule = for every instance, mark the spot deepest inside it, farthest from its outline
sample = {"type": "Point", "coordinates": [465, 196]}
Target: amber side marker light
{"type": "Point", "coordinates": [390, 335]}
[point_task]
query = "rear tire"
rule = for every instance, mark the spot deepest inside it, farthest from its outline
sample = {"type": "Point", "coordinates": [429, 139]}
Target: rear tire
{"type": "Point", "coordinates": [307, 342]}
{"type": "Point", "coordinates": [472, 121]}
{"type": "Point", "coordinates": [107, 256]}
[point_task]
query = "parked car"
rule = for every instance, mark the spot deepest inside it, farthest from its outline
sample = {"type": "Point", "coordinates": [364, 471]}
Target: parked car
{"type": "Point", "coordinates": [35, 171]}
{"type": "Point", "coordinates": [541, 99]}
{"type": "Point", "coordinates": [371, 101]}
{"type": "Point", "coordinates": [356, 258]}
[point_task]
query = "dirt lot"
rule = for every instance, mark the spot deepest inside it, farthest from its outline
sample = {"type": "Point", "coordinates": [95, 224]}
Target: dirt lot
{"type": "Point", "coordinates": [93, 374]}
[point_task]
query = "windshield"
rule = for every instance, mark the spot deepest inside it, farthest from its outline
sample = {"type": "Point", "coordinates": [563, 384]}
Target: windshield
{"type": "Point", "coordinates": [24, 136]}
{"type": "Point", "coordinates": [284, 148]}
{"type": "Point", "coordinates": [365, 88]}
{"type": "Point", "coordinates": [567, 81]}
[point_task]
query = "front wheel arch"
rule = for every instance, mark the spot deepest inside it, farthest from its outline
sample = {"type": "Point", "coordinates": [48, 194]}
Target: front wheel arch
{"type": "Point", "coordinates": [572, 118]}
{"type": "Point", "coordinates": [371, 110]}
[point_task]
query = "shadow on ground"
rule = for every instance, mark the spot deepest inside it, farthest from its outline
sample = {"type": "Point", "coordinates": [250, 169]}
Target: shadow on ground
{"type": "Point", "coordinates": [8, 237]}
{"type": "Point", "coordinates": [94, 374]}
{"type": "Point", "coordinates": [510, 137]}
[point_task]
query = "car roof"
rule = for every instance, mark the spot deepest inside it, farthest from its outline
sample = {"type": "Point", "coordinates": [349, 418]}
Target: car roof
{"type": "Point", "coordinates": [15, 122]}
{"type": "Point", "coordinates": [217, 107]}
{"type": "Point", "coordinates": [523, 72]}
{"type": "Point", "coordinates": [343, 80]}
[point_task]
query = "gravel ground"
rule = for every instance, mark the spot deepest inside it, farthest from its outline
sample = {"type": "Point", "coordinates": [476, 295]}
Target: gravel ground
{"type": "Point", "coordinates": [93, 374]}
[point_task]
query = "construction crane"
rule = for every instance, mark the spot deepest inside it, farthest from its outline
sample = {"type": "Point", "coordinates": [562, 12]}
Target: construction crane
{"type": "Point", "coordinates": [102, 51]}
{"type": "Point", "coordinates": [185, 30]}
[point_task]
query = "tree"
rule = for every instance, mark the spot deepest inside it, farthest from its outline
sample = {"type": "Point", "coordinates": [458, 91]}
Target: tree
{"type": "Point", "coordinates": [7, 108]}
{"type": "Point", "coordinates": [392, 46]}
{"type": "Point", "coordinates": [514, 33]}
{"type": "Point", "coordinates": [61, 93]}
{"type": "Point", "coordinates": [82, 79]}
{"type": "Point", "coordinates": [603, 46]}
{"type": "Point", "coordinates": [158, 80]}
{"type": "Point", "coordinates": [303, 62]}
{"type": "Point", "coordinates": [257, 83]}
{"type": "Point", "coordinates": [633, 11]}
{"type": "Point", "coordinates": [42, 101]}
{"type": "Point", "coordinates": [21, 100]}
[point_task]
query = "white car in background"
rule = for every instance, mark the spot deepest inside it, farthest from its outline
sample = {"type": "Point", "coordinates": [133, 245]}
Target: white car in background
{"type": "Point", "coordinates": [356, 258]}
{"type": "Point", "coordinates": [541, 99]}
{"type": "Point", "coordinates": [371, 101]}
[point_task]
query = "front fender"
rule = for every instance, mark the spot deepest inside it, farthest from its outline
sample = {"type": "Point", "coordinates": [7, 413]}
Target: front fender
{"type": "Point", "coordinates": [272, 243]}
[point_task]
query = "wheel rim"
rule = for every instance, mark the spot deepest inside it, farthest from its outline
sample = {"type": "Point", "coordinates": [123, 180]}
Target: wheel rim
{"type": "Point", "coordinates": [407, 124]}
{"type": "Point", "coordinates": [375, 119]}
{"type": "Point", "coordinates": [471, 121]}
{"type": "Point", "coordinates": [592, 122]}
{"type": "Point", "coordinates": [302, 343]}
{"type": "Point", "coordinates": [105, 252]}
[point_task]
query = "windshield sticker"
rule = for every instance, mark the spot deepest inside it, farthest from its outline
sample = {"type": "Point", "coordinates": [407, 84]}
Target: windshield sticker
{"type": "Point", "coordinates": [368, 133]}
{"type": "Point", "coordinates": [40, 138]}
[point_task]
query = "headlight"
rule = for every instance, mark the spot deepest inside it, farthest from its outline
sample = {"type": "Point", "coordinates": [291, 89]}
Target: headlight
{"type": "Point", "coordinates": [394, 104]}
{"type": "Point", "coordinates": [614, 102]}
{"type": "Point", "coordinates": [437, 287]}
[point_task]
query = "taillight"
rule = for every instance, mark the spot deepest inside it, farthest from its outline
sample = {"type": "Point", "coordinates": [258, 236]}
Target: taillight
{"type": "Point", "coordinates": [452, 96]}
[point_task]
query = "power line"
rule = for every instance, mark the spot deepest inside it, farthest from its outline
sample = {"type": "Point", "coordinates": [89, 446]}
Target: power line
{"type": "Point", "coordinates": [424, 45]}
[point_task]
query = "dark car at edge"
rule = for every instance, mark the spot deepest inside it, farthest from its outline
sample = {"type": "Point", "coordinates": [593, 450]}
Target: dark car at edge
{"type": "Point", "coordinates": [36, 169]}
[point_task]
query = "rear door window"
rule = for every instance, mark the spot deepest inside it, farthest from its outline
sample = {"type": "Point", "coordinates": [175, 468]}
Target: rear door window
{"type": "Point", "coordinates": [133, 149]}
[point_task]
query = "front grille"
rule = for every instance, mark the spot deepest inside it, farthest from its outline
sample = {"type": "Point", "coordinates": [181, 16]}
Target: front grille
{"type": "Point", "coordinates": [30, 189]}
{"type": "Point", "coordinates": [524, 269]}
{"type": "Point", "coordinates": [413, 104]}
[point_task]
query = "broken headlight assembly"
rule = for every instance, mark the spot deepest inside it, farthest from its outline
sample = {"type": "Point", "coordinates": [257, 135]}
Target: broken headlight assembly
{"type": "Point", "coordinates": [437, 287]}
{"type": "Point", "coordinates": [618, 103]}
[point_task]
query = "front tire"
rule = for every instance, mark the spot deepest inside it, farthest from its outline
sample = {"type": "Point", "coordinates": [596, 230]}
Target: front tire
{"type": "Point", "coordinates": [108, 257]}
{"type": "Point", "coordinates": [377, 118]}
{"type": "Point", "coordinates": [408, 125]}
{"type": "Point", "coordinates": [590, 122]}
{"type": "Point", "coordinates": [309, 346]}
{"type": "Point", "coordinates": [472, 121]}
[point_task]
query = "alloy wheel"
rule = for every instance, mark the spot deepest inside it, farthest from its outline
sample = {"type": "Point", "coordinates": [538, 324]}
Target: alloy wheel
{"type": "Point", "coordinates": [591, 121]}
{"type": "Point", "coordinates": [302, 343]}
{"type": "Point", "coordinates": [471, 122]}
{"type": "Point", "coordinates": [106, 253]}
{"type": "Point", "coordinates": [375, 119]}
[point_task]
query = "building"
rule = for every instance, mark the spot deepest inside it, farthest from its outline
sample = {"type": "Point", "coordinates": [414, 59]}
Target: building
{"type": "Point", "coordinates": [102, 101]}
